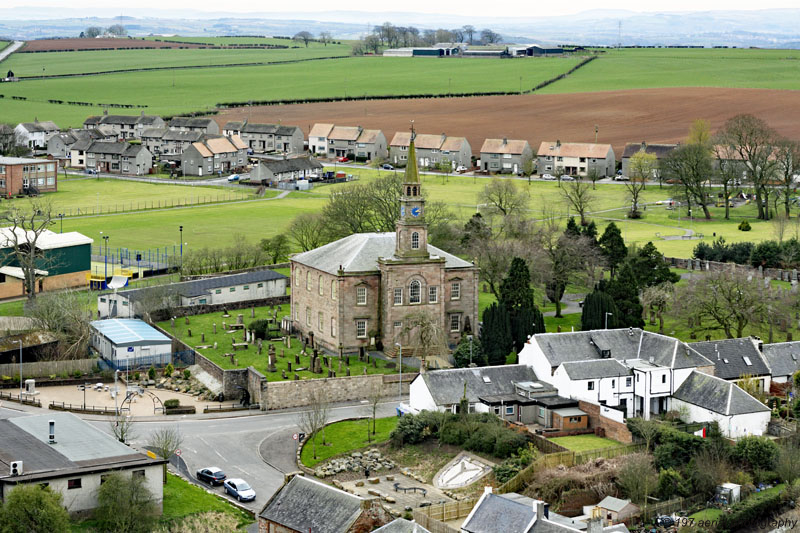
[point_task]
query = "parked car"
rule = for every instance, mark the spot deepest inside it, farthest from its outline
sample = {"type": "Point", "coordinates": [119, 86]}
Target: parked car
{"type": "Point", "coordinates": [461, 168]}
{"type": "Point", "coordinates": [387, 166]}
{"type": "Point", "coordinates": [665, 521]}
{"type": "Point", "coordinates": [620, 177]}
{"type": "Point", "coordinates": [567, 177]}
{"type": "Point", "coordinates": [234, 177]}
{"type": "Point", "coordinates": [548, 177]}
{"type": "Point", "coordinates": [211, 475]}
{"type": "Point", "coordinates": [239, 489]}
{"type": "Point", "coordinates": [342, 159]}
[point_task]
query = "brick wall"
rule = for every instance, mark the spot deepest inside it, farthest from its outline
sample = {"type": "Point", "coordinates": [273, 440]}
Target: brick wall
{"type": "Point", "coordinates": [614, 430]}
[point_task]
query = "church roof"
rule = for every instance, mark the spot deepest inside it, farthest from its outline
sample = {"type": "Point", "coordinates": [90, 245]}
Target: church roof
{"type": "Point", "coordinates": [360, 253]}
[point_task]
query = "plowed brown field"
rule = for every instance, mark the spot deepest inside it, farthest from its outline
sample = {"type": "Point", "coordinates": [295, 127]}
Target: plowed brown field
{"type": "Point", "coordinates": [45, 45]}
{"type": "Point", "coordinates": [652, 115]}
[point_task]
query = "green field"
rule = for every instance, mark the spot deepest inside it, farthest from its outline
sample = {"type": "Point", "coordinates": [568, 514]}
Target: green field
{"type": "Point", "coordinates": [56, 63]}
{"type": "Point", "coordinates": [346, 436]}
{"type": "Point", "coordinates": [582, 443]}
{"type": "Point", "coordinates": [173, 92]}
{"type": "Point", "coordinates": [3, 44]}
{"type": "Point", "coordinates": [228, 41]}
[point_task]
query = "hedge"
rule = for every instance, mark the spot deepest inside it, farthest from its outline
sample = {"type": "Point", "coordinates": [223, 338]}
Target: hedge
{"type": "Point", "coordinates": [749, 511]}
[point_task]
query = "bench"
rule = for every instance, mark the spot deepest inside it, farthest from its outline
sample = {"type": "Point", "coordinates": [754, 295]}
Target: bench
{"type": "Point", "coordinates": [397, 488]}
{"type": "Point", "coordinates": [240, 346]}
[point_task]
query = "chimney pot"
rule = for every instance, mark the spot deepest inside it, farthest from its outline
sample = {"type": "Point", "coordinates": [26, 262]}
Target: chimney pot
{"type": "Point", "coordinates": [52, 433]}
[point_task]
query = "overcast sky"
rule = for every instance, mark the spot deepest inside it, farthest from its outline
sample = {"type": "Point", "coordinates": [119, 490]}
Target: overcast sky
{"type": "Point", "coordinates": [524, 8]}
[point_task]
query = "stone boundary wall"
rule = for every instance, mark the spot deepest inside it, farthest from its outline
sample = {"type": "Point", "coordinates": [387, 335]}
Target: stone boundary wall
{"type": "Point", "coordinates": [614, 430]}
{"type": "Point", "coordinates": [716, 266]}
{"type": "Point", "coordinates": [47, 368]}
{"type": "Point", "coordinates": [287, 394]}
{"type": "Point", "coordinates": [191, 310]}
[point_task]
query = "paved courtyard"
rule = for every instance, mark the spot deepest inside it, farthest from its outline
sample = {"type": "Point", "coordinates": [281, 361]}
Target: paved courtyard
{"type": "Point", "coordinates": [398, 500]}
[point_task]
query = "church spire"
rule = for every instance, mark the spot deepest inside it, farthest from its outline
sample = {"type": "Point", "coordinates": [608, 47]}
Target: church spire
{"type": "Point", "coordinates": [412, 173]}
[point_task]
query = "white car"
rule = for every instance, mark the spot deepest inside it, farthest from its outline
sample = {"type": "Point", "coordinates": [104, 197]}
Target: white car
{"type": "Point", "coordinates": [620, 177]}
{"type": "Point", "coordinates": [239, 489]}
{"type": "Point", "coordinates": [461, 168]}
{"type": "Point", "coordinates": [548, 177]}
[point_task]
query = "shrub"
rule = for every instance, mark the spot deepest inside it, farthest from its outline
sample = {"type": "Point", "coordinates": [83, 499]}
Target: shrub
{"type": "Point", "coordinates": [749, 511]}
{"type": "Point", "coordinates": [172, 403]}
{"type": "Point", "coordinates": [187, 373]}
{"type": "Point", "coordinates": [758, 452]}
{"type": "Point", "coordinates": [151, 373]}
{"type": "Point", "coordinates": [671, 484]}
{"type": "Point", "coordinates": [454, 432]}
{"type": "Point", "coordinates": [765, 476]}
{"type": "Point", "coordinates": [168, 370]}
{"type": "Point", "coordinates": [409, 430]}
{"type": "Point", "coordinates": [77, 373]}
{"type": "Point", "coordinates": [260, 328]}
{"type": "Point", "coordinates": [136, 376]}
{"type": "Point", "coordinates": [125, 505]}
{"type": "Point", "coordinates": [740, 477]}
{"type": "Point", "coordinates": [481, 440]}
{"type": "Point", "coordinates": [31, 507]}
{"type": "Point", "coordinates": [507, 442]}
{"type": "Point", "coordinates": [744, 226]}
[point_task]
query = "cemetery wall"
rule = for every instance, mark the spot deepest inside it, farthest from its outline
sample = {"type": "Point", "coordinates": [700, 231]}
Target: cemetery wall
{"type": "Point", "coordinates": [715, 266]}
{"type": "Point", "coordinates": [287, 394]}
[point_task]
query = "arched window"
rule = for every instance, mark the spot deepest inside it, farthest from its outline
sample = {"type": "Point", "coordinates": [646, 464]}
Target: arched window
{"type": "Point", "coordinates": [321, 288]}
{"type": "Point", "coordinates": [415, 241]}
{"type": "Point", "coordinates": [414, 292]}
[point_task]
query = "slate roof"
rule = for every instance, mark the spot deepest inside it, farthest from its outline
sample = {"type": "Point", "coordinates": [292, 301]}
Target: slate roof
{"type": "Point", "coordinates": [296, 164]}
{"type": "Point", "coordinates": [154, 133]}
{"type": "Point", "coordinates": [553, 517]}
{"type": "Point", "coordinates": [597, 151]}
{"type": "Point", "coordinates": [190, 122]}
{"type": "Point", "coordinates": [360, 252]}
{"type": "Point", "coordinates": [43, 126]}
{"type": "Point", "coordinates": [199, 287]}
{"type": "Point", "coordinates": [66, 137]}
{"type": "Point", "coordinates": [185, 136]}
{"type": "Point", "coordinates": [401, 525]}
{"type": "Point", "coordinates": [717, 395]}
{"type": "Point", "coordinates": [447, 386]}
{"type": "Point", "coordinates": [783, 358]}
{"type": "Point", "coordinates": [595, 369]}
{"type": "Point", "coordinates": [305, 504]}
{"type": "Point", "coordinates": [320, 130]}
{"type": "Point", "coordinates": [503, 146]}
{"type": "Point", "coordinates": [276, 129]}
{"type": "Point", "coordinates": [82, 144]}
{"type": "Point", "coordinates": [728, 356]}
{"type": "Point", "coordinates": [494, 513]}
{"type": "Point", "coordinates": [234, 125]}
{"type": "Point", "coordinates": [123, 148]}
{"type": "Point", "coordinates": [659, 150]}
{"type": "Point", "coordinates": [145, 120]}
{"type": "Point", "coordinates": [624, 344]}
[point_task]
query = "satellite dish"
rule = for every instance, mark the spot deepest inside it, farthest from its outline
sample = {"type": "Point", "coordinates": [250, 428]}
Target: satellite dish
{"type": "Point", "coordinates": [117, 282]}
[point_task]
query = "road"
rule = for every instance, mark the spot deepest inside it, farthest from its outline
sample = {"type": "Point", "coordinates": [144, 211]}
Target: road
{"type": "Point", "coordinates": [10, 49]}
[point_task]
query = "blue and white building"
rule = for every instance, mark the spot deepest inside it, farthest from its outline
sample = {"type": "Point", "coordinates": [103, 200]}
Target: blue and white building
{"type": "Point", "coordinates": [130, 343]}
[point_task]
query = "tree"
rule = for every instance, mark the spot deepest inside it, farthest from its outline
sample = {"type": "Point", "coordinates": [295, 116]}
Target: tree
{"type": "Point", "coordinates": [625, 292]}
{"type": "Point", "coordinates": [691, 165]}
{"type": "Point", "coordinates": [277, 247]}
{"type": "Point", "coordinates": [788, 156]}
{"type": "Point", "coordinates": [489, 37]}
{"type": "Point", "coordinates": [12, 143]}
{"type": "Point", "coordinates": [578, 194]}
{"type": "Point", "coordinates": [593, 174]}
{"type": "Point", "coordinates": [596, 306]}
{"type": "Point", "coordinates": [721, 300]}
{"type": "Point", "coordinates": [304, 36]}
{"type": "Point", "coordinates": [728, 171]}
{"type": "Point", "coordinates": [374, 397]}
{"type": "Point", "coordinates": [325, 37]}
{"type": "Point", "coordinates": [612, 246]}
{"type": "Point", "coordinates": [648, 430]}
{"type": "Point", "coordinates": [493, 256]}
{"type": "Point", "coordinates": [314, 418]}
{"type": "Point", "coordinates": [656, 300]}
{"type": "Point", "coordinates": [25, 225]}
{"type": "Point", "coordinates": [423, 330]}
{"type": "Point", "coordinates": [642, 166]}
{"type": "Point", "coordinates": [66, 314]}
{"type": "Point", "coordinates": [125, 504]}
{"type": "Point", "coordinates": [562, 257]}
{"type": "Point", "coordinates": [33, 508]}
{"type": "Point", "coordinates": [788, 464]}
{"type": "Point", "coordinates": [308, 231]}
{"type": "Point", "coordinates": [122, 428]}
{"type": "Point", "coordinates": [93, 31]}
{"type": "Point", "coordinates": [469, 32]}
{"type": "Point", "coordinates": [753, 143]}
{"type": "Point", "coordinates": [761, 453]}
{"type": "Point", "coordinates": [572, 228]}
{"type": "Point", "coordinates": [503, 196]}
{"type": "Point", "coordinates": [495, 336]}
{"type": "Point", "coordinates": [469, 351]}
{"type": "Point", "coordinates": [118, 30]}
{"type": "Point", "coordinates": [527, 167]}
{"type": "Point", "coordinates": [637, 478]}
{"type": "Point", "coordinates": [700, 134]}
{"type": "Point", "coordinates": [156, 299]}
{"type": "Point", "coordinates": [165, 441]}
{"type": "Point", "coordinates": [516, 295]}
{"type": "Point", "coordinates": [475, 232]}
{"type": "Point", "coordinates": [649, 267]}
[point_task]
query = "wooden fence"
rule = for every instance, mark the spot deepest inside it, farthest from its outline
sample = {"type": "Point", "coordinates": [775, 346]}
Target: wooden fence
{"type": "Point", "coordinates": [433, 517]}
{"type": "Point", "coordinates": [544, 445]}
{"type": "Point", "coordinates": [568, 459]}
{"type": "Point", "coordinates": [649, 512]}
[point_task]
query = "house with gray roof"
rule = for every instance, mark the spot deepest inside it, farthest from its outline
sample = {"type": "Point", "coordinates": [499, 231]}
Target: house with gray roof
{"type": "Point", "coordinates": [213, 290]}
{"type": "Point", "coordinates": [707, 398]}
{"type": "Point", "coordinates": [124, 126]}
{"type": "Point", "coordinates": [401, 525]}
{"type": "Point", "coordinates": [60, 144]}
{"type": "Point", "coordinates": [167, 142]}
{"type": "Point", "coordinates": [656, 364]}
{"type": "Point", "coordinates": [70, 456]}
{"type": "Point", "coordinates": [616, 509]}
{"type": "Point", "coordinates": [119, 158]}
{"type": "Point", "coordinates": [266, 138]}
{"type": "Point", "coordinates": [513, 513]}
{"type": "Point", "coordinates": [304, 504]}
{"type": "Point", "coordinates": [274, 171]}
{"type": "Point", "coordinates": [353, 142]}
{"type": "Point", "coordinates": [661, 151]}
{"type": "Point", "coordinates": [783, 359]}
{"type": "Point", "coordinates": [35, 134]}
{"type": "Point", "coordinates": [203, 125]}
{"type": "Point", "coordinates": [737, 359]}
{"type": "Point", "coordinates": [432, 150]}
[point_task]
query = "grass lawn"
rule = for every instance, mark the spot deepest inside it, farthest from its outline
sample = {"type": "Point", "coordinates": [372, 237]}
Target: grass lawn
{"type": "Point", "coordinates": [204, 324]}
{"type": "Point", "coordinates": [582, 443]}
{"type": "Point", "coordinates": [346, 436]}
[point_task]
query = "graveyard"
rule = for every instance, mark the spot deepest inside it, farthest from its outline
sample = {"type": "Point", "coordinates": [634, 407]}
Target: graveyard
{"type": "Point", "coordinates": [247, 337]}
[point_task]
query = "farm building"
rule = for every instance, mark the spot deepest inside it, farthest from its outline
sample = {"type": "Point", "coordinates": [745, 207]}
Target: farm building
{"type": "Point", "coordinates": [234, 288]}
{"type": "Point", "coordinates": [71, 457]}
{"type": "Point", "coordinates": [130, 343]}
{"type": "Point", "coordinates": [64, 261]}
{"type": "Point", "coordinates": [25, 176]}
{"type": "Point", "coordinates": [534, 50]}
{"type": "Point", "coordinates": [448, 50]}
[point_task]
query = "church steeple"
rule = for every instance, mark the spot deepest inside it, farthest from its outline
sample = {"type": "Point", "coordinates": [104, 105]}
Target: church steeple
{"type": "Point", "coordinates": [412, 231]}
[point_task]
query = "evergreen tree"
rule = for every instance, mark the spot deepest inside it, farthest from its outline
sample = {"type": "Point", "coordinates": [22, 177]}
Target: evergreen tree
{"type": "Point", "coordinates": [613, 247]}
{"type": "Point", "coordinates": [624, 291]}
{"type": "Point", "coordinates": [529, 321]}
{"type": "Point", "coordinates": [495, 336]}
{"type": "Point", "coordinates": [590, 231]}
{"type": "Point", "coordinates": [595, 306]}
{"type": "Point", "coordinates": [461, 355]}
{"type": "Point", "coordinates": [649, 268]}
{"type": "Point", "coordinates": [516, 296]}
{"type": "Point", "coordinates": [572, 228]}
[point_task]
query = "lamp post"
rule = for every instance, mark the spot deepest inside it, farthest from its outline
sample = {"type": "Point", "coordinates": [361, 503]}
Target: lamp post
{"type": "Point", "coordinates": [608, 315]}
{"type": "Point", "coordinates": [116, 392]}
{"type": "Point", "coordinates": [400, 373]}
{"type": "Point", "coordinates": [20, 368]}
{"type": "Point", "coordinates": [61, 216]}
{"type": "Point", "coordinates": [469, 338]}
{"type": "Point", "coordinates": [105, 259]}
{"type": "Point", "coordinates": [180, 229]}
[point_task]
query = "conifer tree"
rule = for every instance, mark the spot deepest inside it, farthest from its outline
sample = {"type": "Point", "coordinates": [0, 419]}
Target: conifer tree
{"type": "Point", "coordinates": [516, 295]}
{"type": "Point", "coordinates": [595, 306]}
{"type": "Point", "coordinates": [495, 336]}
{"type": "Point", "coordinates": [613, 247]}
{"type": "Point", "coordinates": [625, 293]}
{"type": "Point", "coordinates": [573, 228]}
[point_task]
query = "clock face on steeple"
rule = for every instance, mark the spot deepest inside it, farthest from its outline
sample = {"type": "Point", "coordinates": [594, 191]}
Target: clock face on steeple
{"type": "Point", "coordinates": [402, 210]}
{"type": "Point", "coordinates": [416, 211]}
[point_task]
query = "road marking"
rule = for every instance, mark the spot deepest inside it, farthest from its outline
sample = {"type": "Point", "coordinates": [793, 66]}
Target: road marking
{"type": "Point", "coordinates": [242, 470]}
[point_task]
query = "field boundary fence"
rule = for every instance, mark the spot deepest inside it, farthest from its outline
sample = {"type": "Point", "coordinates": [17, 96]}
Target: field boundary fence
{"type": "Point", "coordinates": [152, 204]}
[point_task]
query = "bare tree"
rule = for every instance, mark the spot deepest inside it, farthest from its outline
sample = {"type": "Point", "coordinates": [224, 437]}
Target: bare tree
{"type": "Point", "coordinates": [308, 231]}
{"type": "Point", "coordinates": [93, 31]}
{"type": "Point", "coordinates": [642, 166]}
{"type": "Point", "coordinates": [469, 33]}
{"type": "Point", "coordinates": [490, 37]}
{"type": "Point", "coordinates": [314, 419]}
{"type": "Point", "coordinates": [637, 478]}
{"type": "Point", "coordinates": [25, 226]}
{"type": "Point", "coordinates": [160, 299]}
{"type": "Point", "coordinates": [374, 398]}
{"type": "Point", "coordinates": [503, 196]}
{"type": "Point", "coordinates": [165, 441]}
{"type": "Point", "coordinates": [728, 171]}
{"type": "Point", "coordinates": [423, 331]}
{"type": "Point", "coordinates": [648, 430]}
{"type": "Point", "coordinates": [122, 428]}
{"type": "Point", "coordinates": [578, 194]}
{"type": "Point", "coordinates": [787, 154]}
{"type": "Point", "coordinates": [325, 37]}
{"type": "Point", "coordinates": [67, 314]}
{"type": "Point", "coordinates": [117, 30]}
{"type": "Point", "coordinates": [691, 165]}
{"type": "Point", "coordinates": [12, 143]}
{"type": "Point", "coordinates": [493, 256]}
{"type": "Point", "coordinates": [303, 36]}
{"type": "Point", "coordinates": [655, 301]}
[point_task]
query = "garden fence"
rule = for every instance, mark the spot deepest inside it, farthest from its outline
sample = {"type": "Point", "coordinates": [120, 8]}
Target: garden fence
{"type": "Point", "coordinates": [648, 512]}
{"type": "Point", "coordinates": [433, 517]}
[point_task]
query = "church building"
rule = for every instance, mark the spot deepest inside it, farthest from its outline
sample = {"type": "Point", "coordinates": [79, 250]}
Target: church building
{"type": "Point", "coordinates": [361, 290]}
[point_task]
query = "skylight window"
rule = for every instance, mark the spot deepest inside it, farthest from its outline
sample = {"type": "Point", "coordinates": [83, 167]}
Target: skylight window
{"type": "Point", "coordinates": [486, 379]}
{"type": "Point", "coordinates": [794, 357]}
{"type": "Point", "coordinates": [725, 361]}
{"type": "Point", "coordinates": [747, 361]}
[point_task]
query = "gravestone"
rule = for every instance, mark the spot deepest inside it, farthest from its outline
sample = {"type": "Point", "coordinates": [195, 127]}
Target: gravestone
{"type": "Point", "coordinates": [252, 312]}
{"type": "Point", "coordinates": [317, 366]}
{"type": "Point", "coordinates": [330, 373]}
{"type": "Point", "coordinates": [365, 371]}
{"type": "Point", "coordinates": [215, 328]}
{"type": "Point", "coordinates": [347, 360]}
{"type": "Point", "coordinates": [259, 348]}
{"type": "Point", "coordinates": [374, 362]}
{"type": "Point", "coordinates": [215, 345]}
{"type": "Point", "coordinates": [225, 313]}
{"type": "Point", "coordinates": [172, 322]}
{"type": "Point", "coordinates": [289, 366]}
{"type": "Point", "coordinates": [289, 342]}
{"type": "Point", "coordinates": [325, 361]}
{"type": "Point", "coordinates": [296, 377]}
{"type": "Point", "coordinates": [224, 326]}
{"type": "Point", "coordinates": [232, 358]}
{"type": "Point", "coordinates": [189, 332]}
{"type": "Point", "coordinates": [283, 353]}
{"type": "Point", "coordinates": [348, 371]}
{"type": "Point", "coordinates": [283, 374]}
{"type": "Point", "coordinates": [187, 320]}
{"type": "Point", "coordinates": [297, 358]}
{"type": "Point", "coordinates": [202, 338]}
{"type": "Point", "coordinates": [240, 318]}
{"type": "Point", "coordinates": [271, 358]}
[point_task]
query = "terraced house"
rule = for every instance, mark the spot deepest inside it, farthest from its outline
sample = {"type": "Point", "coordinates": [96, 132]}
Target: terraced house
{"type": "Point", "coordinates": [576, 159]}
{"type": "Point", "coordinates": [163, 141]}
{"type": "Point", "coordinates": [432, 150]}
{"type": "Point", "coordinates": [204, 125]}
{"type": "Point", "coordinates": [505, 156]}
{"type": "Point", "coordinates": [119, 158]}
{"type": "Point", "coordinates": [353, 142]}
{"type": "Point", "coordinates": [123, 126]}
{"type": "Point", "coordinates": [22, 176]}
{"type": "Point", "coordinates": [263, 138]}
{"type": "Point", "coordinates": [213, 156]}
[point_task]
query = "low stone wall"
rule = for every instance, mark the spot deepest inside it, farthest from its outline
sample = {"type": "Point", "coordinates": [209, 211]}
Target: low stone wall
{"type": "Point", "coordinates": [191, 310]}
{"type": "Point", "coordinates": [614, 430]}
{"type": "Point", "coordinates": [715, 266]}
{"type": "Point", "coordinates": [257, 386]}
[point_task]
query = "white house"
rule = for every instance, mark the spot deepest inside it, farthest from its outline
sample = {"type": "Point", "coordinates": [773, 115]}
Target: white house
{"type": "Point", "coordinates": [711, 399]}
{"type": "Point", "coordinates": [233, 288]}
{"type": "Point", "coordinates": [783, 359]}
{"type": "Point", "coordinates": [70, 456]}
{"type": "Point", "coordinates": [737, 359]}
{"type": "Point", "coordinates": [601, 382]}
{"type": "Point", "coordinates": [36, 134]}
{"type": "Point", "coordinates": [130, 343]}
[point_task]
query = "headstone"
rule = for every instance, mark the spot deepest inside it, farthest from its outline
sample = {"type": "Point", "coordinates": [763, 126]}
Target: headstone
{"type": "Point", "coordinates": [259, 348]}
{"type": "Point", "coordinates": [296, 377]}
{"type": "Point", "coordinates": [240, 318]}
{"type": "Point", "coordinates": [224, 326]}
{"type": "Point", "coordinates": [283, 374]}
{"type": "Point", "coordinates": [347, 360]}
{"type": "Point", "coordinates": [215, 328]}
{"type": "Point", "coordinates": [279, 308]}
{"type": "Point", "coordinates": [187, 320]}
{"type": "Point", "coordinates": [271, 358]}
{"type": "Point", "coordinates": [375, 362]}
{"type": "Point", "coordinates": [317, 366]}
{"type": "Point", "coordinates": [365, 371]}
{"type": "Point", "coordinates": [288, 342]}
{"type": "Point", "coordinates": [215, 345]}
{"type": "Point", "coordinates": [172, 322]}
{"type": "Point", "coordinates": [232, 358]}
{"type": "Point", "coordinates": [189, 332]}
{"type": "Point", "coordinates": [283, 353]}
{"type": "Point", "coordinates": [330, 373]}
{"type": "Point", "coordinates": [297, 358]}
{"type": "Point", "coordinates": [760, 270]}
{"type": "Point", "coordinates": [325, 361]}
{"type": "Point", "coordinates": [289, 366]}
{"type": "Point", "coordinates": [361, 353]}
{"type": "Point", "coordinates": [558, 328]}
{"type": "Point", "coordinates": [252, 312]}
{"type": "Point", "coordinates": [788, 336]}
{"type": "Point", "coordinates": [202, 338]}
{"type": "Point", "coordinates": [348, 371]}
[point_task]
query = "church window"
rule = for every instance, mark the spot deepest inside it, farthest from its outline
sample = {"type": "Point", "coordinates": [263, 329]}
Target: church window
{"type": "Point", "coordinates": [320, 321]}
{"type": "Point", "coordinates": [414, 292]}
{"type": "Point", "coordinates": [433, 294]}
{"type": "Point", "coordinates": [321, 288]}
{"type": "Point", "coordinates": [333, 327]}
{"type": "Point", "coordinates": [455, 290]}
{"type": "Point", "coordinates": [308, 316]}
{"type": "Point", "coordinates": [333, 290]}
{"type": "Point", "coordinates": [308, 280]}
{"type": "Point", "coordinates": [398, 296]}
{"type": "Point", "coordinates": [361, 329]}
{"type": "Point", "coordinates": [415, 241]}
{"type": "Point", "coordinates": [361, 296]}
{"type": "Point", "coordinates": [455, 322]}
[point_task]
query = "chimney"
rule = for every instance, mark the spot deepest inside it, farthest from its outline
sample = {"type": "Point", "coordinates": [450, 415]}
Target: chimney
{"type": "Point", "coordinates": [558, 143]}
{"type": "Point", "coordinates": [542, 509]}
{"type": "Point", "coordinates": [290, 475]}
{"type": "Point", "coordinates": [487, 489]}
{"type": "Point", "coordinates": [505, 141]}
{"type": "Point", "coordinates": [52, 433]}
{"type": "Point", "coordinates": [594, 525]}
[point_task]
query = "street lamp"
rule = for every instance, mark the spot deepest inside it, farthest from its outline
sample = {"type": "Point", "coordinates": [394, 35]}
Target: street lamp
{"type": "Point", "coordinates": [105, 259]}
{"type": "Point", "coordinates": [116, 392]}
{"type": "Point", "coordinates": [61, 216]}
{"type": "Point", "coordinates": [608, 315]}
{"type": "Point", "coordinates": [400, 373]}
{"type": "Point", "coordinates": [469, 338]}
{"type": "Point", "coordinates": [20, 368]}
